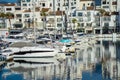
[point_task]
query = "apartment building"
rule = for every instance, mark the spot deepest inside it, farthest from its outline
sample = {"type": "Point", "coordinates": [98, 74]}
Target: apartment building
{"type": "Point", "coordinates": [85, 15]}
{"type": "Point", "coordinates": [5, 8]}
{"type": "Point", "coordinates": [111, 18]}
{"type": "Point", "coordinates": [28, 14]}
{"type": "Point", "coordinates": [88, 20]}
{"type": "Point", "coordinates": [84, 4]}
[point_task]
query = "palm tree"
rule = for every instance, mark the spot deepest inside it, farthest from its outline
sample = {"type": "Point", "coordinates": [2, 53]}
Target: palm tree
{"type": "Point", "coordinates": [74, 21]}
{"type": "Point", "coordinates": [78, 25]}
{"type": "Point", "coordinates": [102, 13]}
{"type": "Point", "coordinates": [44, 18]}
{"type": "Point", "coordinates": [2, 16]}
{"type": "Point", "coordinates": [9, 16]}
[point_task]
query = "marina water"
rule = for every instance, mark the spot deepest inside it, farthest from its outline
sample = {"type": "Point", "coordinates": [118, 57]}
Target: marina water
{"type": "Point", "coordinates": [99, 61]}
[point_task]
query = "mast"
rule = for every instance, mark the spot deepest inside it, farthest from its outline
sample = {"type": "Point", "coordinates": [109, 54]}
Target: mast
{"type": "Point", "coordinates": [33, 2]}
{"type": "Point", "coordinates": [54, 11]}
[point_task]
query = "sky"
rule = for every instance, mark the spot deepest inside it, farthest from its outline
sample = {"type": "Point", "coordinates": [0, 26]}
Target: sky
{"type": "Point", "coordinates": [8, 1]}
{"type": "Point", "coordinates": [98, 2]}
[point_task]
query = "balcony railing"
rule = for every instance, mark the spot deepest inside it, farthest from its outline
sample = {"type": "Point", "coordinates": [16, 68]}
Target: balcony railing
{"type": "Point", "coordinates": [90, 8]}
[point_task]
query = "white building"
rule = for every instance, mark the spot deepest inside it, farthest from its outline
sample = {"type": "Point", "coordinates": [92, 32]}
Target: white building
{"type": "Point", "coordinates": [112, 21]}
{"type": "Point", "coordinates": [88, 20]}
{"type": "Point", "coordinates": [84, 4]}
{"type": "Point", "coordinates": [28, 11]}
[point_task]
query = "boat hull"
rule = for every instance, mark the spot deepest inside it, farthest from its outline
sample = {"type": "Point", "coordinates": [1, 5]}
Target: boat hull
{"type": "Point", "coordinates": [36, 55]}
{"type": "Point", "coordinates": [36, 60]}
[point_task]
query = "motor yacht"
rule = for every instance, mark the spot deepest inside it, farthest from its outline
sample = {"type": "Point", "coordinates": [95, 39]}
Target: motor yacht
{"type": "Point", "coordinates": [30, 50]}
{"type": "Point", "coordinates": [8, 52]}
{"type": "Point", "coordinates": [35, 52]}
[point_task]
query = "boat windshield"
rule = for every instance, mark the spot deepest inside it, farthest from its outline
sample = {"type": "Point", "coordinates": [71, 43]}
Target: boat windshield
{"type": "Point", "coordinates": [15, 37]}
{"type": "Point", "coordinates": [11, 37]}
{"type": "Point", "coordinates": [7, 51]}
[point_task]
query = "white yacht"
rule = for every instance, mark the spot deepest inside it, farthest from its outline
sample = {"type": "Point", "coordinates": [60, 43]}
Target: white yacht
{"type": "Point", "coordinates": [31, 50]}
{"type": "Point", "coordinates": [8, 52]}
{"type": "Point", "coordinates": [35, 52]}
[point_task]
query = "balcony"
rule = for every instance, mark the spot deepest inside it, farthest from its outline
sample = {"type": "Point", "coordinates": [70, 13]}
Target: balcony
{"type": "Point", "coordinates": [18, 16]}
{"type": "Point", "coordinates": [37, 9]}
{"type": "Point", "coordinates": [115, 13]}
{"type": "Point", "coordinates": [27, 10]}
{"type": "Point", "coordinates": [90, 8]}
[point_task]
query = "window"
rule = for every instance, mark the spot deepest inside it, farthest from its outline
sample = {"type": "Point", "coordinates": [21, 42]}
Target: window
{"type": "Point", "coordinates": [97, 19]}
{"type": "Point", "coordinates": [59, 25]}
{"type": "Point", "coordinates": [83, 4]}
{"type": "Point", "coordinates": [2, 25]}
{"type": "Point", "coordinates": [89, 24]}
{"type": "Point", "coordinates": [8, 9]}
{"type": "Point", "coordinates": [24, 4]}
{"type": "Point", "coordinates": [58, 9]}
{"type": "Point", "coordinates": [83, 7]}
{"type": "Point", "coordinates": [88, 13]}
{"type": "Point", "coordinates": [23, 0]}
{"type": "Point", "coordinates": [106, 24]}
{"type": "Point", "coordinates": [89, 18]}
{"type": "Point", "coordinates": [18, 15]}
{"type": "Point", "coordinates": [17, 8]}
{"type": "Point", "coordinates": [50, 4]}
{"type": "Point", "coordinates": [27, 15]}
{"type": "Point", "coordinates": [106, 18]}
{"type": "Point", "coordinates": [92, 4]}
{"type": "Point", "coordinates": [104, 2]}
{"type": "Point", "coordinates": [59, 19]}
{"type": "Point", "coordinates": [72, 4]}
{"type": "Point", "coordinates": [97, 24]}
{"type": "Point", "coordinates": [82, 24]}
{"type": "Point", "coordinates": [58, 4]}
{"type": "Point", "coordinates": [73, 7]}
{"type": "Point", "coordinates": [81, 19]}
{"type": "Point", "coordinates": [43, 4]}
{"type": "Point", "coordinates": [28, 0]}
{"type": "Point", "coordinates": [80, 14]}
{"type": "Point", "coordinates": [20, 20]}
{"type": "Point", "coordinates": [66, 4]}
{"type": "Point", "coordinates": [105, 6]}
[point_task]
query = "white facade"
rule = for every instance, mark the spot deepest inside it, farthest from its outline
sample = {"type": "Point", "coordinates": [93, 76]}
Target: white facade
{"type": "Point", "coordinates": [87, 19]}
{"type": "Point", "coordinates": [26, 13]}
{"type": "Point", "coordinates": [83, 4]}
{"type": "Point", "coordinates": [111, 21]}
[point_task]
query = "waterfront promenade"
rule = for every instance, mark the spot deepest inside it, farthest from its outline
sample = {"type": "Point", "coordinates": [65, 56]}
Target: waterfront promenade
{"type": "Point", "coordinates": [106, 35]}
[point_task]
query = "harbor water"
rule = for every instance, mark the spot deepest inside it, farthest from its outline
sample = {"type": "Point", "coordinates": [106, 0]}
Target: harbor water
{"type": "Point", "coordinates": [98, 61]}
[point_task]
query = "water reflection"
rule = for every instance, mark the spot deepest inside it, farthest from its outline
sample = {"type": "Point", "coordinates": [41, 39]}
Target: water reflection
{"type": "Point", "coordinates": [98, 61]}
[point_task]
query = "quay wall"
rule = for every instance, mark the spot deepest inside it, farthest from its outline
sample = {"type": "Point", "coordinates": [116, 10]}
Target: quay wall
{"type": "Point", "coordinates": [106, 35]}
